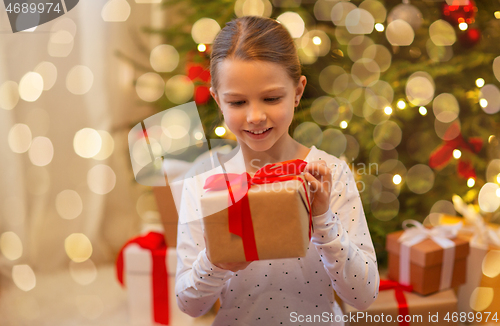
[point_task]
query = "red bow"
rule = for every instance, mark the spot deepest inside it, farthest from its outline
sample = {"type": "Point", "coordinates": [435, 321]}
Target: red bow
{"type": "Point", "coordinates": [443, 154]}
{"type": "Point", "coordinates": [155, 242]}
{"type": "Point", "coordinates": [239, 215]}
{"type": "Point", "coordinates": [400, 297]}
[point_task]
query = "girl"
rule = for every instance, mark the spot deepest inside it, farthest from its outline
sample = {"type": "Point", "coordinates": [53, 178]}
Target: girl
{"type": "Point", "coordinates": [257, 83]}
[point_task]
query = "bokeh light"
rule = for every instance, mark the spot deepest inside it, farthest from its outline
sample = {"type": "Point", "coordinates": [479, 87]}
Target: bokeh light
{"type": "Point", "coordinates": [164, 58]}
{"type": "Point", "coordinates": [491, 94]}
{"type": "Point", "coordinates": [150, 87]}
{"type": "Point", "coordinates": [380, 54]}
{"type": "Point", "coordinates": [399, 33]}
{"type": "Point", "coordinates": [322, 9]}
{"type": "Point", "coordinates": [442, 33]}
{"type": "Point", "coordinates": [438, 53]}
{"type": "Point", "coordinates": [19, 138]}
{"type": "Point", "coordinates": [87, 142]}
{"type": "Point", "coordinates": [179, 89]}
{"type": "Point", "coordinates": [340, 11]}
{"type": "Point", "coordinates": [359, 21]}
{"type": "Point", "coordinates": [387, 135]}
{"type": "Point", "coordinates": [31, 86]}
{"type": "Point", "coordinates": [61, 38]}
{"type": "Point", "coordinates": [445, 107]}
{"type": "Point", "coordinates": [422, 110]}
{"type": "Point", "coordinates": [11, 245]}
{"type": "Point", "coordinates": [24, 277]}
{"type": "Point", "coordinates": [444, 131]}
{"type": "Point", "coordinates": [41, 151]}
{"type": "Point", "coordinates": [491, 264]}
{"type": "Point", "coordinates": [204, 30]}
{"type": "Point", "coordinates": [69, 204]}
{"type": "Point", "coordinates": [220, 131]}
{"type": "Point", "coordinates": [457, 153]}
{"type": "Point", "coordinates": [407, 13]}
{"type": "Point", "coordinates": [496, 68]}
{"type": "Point", "coordinates": [386, 207]}
{"type": "Point", "coordinates": [308, 134]}
{"type": "Point", "coordinates": [293, 23]}
{"type": "Point", "coordinates": [420, 179]}
{"type": "Point", "coordinates": [420, 88]}
{"type": "Point", "coordinates": [101, 179]}
{"type": "Point", "coordinates": [253, 8]}
{"type": "Point", "coordinates": [487, 199]}
{"type": "Point", "coordinates": [357, 46]}
{"type": "Point", "coordinates": [107, 147]}
{"type": "Point", "coordinates": [175, 123]}
{"type": "Point", "coordinates": [493, 171]}
{"type": "Point", "coordinates": [471, 182]}
{"type": "Point", "coordinates": [115, 11]}
{"type": "Point", "coordinates": [481, 298]}
{"type": "Point", "coordinates": [79, 80]}
{"type": "Point", "coordinates": [327, 78]}
{"type": "Point", "coordinates": [365, 72]}
{"type": "Point", "coordinates": [83, 273]}
{"type": "Point", "coordinates": [376, 9]}
{"type": "Point", "coordinates": [317, 42]}
{"type": "Point", "coordinates": [480, 82]}
{"type": "Point", "coordinates": [48, 71]}
{"type": "Point", "coordinates": [9, 95]}
{"type": "Point", "coordinates": [78, 247]}
{"type": "Point", "coordinates": [333, 142]}
{"type": "Point", "coordinates": [379, 27]}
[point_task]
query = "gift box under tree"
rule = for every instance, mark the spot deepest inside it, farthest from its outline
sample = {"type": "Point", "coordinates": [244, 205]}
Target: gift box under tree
{"type": "Point", "coordinates": [428, 259]}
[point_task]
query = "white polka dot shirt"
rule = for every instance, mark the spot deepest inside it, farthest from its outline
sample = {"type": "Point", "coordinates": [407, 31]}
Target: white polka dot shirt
{"type": "Point", "coordinates": [340, 257]}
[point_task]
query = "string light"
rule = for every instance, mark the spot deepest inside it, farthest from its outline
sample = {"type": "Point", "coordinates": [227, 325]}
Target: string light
{"type": "Point", "coordinates": [498, 192]}
{"type": "Point", "coordinates": [401, 104]}
{"type": "Point", "coordinates": [379, 27]}
{"type": "Point", "coordinates": [388, 110]}
{"type": "Point", "coordinates": [471, 182]}
{"type": "Point", "coordinates": [498, 178]}
{"type": "Point", "coordinates": [343, 124]}
{"type": "Point", "coordinates": [497, 14]}
{"type": "Point", "coordinates": [479, 82]}
{"type": "Point", "coordinates": [463, 26]}
{"type": "Point", "coordinates": [422, 110]}
{"type": "Point", "coordinates": [397, 179]}
{"type": "Point", "coordinates": [220, 131]}
{"type": "Point", "coordinates": [483, 102]}
{"type": "Point", "coordinates": [457, 153]}
{"type": "Point", "coordinates": [202, 47]}
{"type": "Point", "coordinates": [316, 40]}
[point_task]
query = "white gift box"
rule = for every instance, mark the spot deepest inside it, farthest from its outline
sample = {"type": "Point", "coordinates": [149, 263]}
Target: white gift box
{"type": "Point", "coordinates": [138, 264]}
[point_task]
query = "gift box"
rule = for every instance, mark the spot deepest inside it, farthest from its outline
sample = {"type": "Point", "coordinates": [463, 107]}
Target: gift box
{"type": "Point", "coordinates": [428, 259]}
{"type": "Point", "coordinates": [142, 267]}
{"type": "Point", "coordinates": [264, 217]}
{"type": "Point", "coordinates": [391, 302]}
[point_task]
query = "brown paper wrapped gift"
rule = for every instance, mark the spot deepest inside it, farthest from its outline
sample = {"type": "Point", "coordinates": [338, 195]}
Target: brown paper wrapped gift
{"type": "Point", "coordinates": [168, 213]}
{"type": "Point", "coordinates": [426, 260]}
{"type": "Point", "coordinates": [439, 303]}
{"type": "Point", "coordinates": [280, 218]}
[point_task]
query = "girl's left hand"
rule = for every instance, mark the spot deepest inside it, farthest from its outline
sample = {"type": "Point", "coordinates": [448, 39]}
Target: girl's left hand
{"type": "Point", "coordinates": [320, 178]}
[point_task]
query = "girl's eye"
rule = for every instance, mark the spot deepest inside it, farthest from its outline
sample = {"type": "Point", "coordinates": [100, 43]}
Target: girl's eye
{"type": "Point", "coordinates": [272, 99]}
{"type": "Point", "coordinates": [238, 103]}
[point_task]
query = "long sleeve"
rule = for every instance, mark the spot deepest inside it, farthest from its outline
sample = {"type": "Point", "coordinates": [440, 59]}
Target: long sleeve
{"type": "Point", "coordinates": [198, 282]}
{"type": "Point", "coordinates": [343, 242]}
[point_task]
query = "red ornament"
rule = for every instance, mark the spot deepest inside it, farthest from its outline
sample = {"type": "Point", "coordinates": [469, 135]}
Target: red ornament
{"type": "Point", "coordinates": [470, 37]}
{"type": "Point", "coordinates": [457, 13]}
{"type": "Point", "coordinates": [443, 154]}
{"type": "Point", "coordinates": [201, 94]}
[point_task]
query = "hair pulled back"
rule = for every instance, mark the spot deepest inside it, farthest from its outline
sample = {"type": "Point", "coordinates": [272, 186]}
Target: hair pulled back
{"type": "Point", "coordinates": [255, 38]}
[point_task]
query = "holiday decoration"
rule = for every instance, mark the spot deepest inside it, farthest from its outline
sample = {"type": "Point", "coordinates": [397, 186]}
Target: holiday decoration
{"type": "Point", "coordinates": [470, 37]}
{"type": "Point", "coordinates": [443, 154]}
{"type": "Point", "coordinates": [457, 12]}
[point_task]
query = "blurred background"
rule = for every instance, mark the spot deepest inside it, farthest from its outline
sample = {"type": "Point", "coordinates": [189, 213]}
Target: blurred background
{"type": "Point", "coordinates": [406, 92]}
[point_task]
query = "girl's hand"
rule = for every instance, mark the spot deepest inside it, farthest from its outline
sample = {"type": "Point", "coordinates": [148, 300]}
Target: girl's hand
{"type": "Point", "coordinates": [233, 267]}
{"type": "Point", "coordinates": [320, 178]}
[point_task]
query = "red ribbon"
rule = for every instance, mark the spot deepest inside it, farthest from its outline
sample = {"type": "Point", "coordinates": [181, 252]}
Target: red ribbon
{"type": "Point", "coordinates": [155, 242]}
{"type": "Point", "coordinates": [443, 154]}
{"type": "Point", "coordinates": [400, 297]}
{"type": "Point", "coordinates": [239, 215]}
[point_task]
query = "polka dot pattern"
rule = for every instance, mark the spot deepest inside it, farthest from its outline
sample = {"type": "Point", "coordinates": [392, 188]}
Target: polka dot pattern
{"type": "Point", "coordinates": [340, 257]}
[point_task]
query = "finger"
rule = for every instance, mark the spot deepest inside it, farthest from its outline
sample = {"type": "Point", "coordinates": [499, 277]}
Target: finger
{"type": "Point", "coordinates": [320, 169]}
{"type": "Point", "coordinates": [314, 183]}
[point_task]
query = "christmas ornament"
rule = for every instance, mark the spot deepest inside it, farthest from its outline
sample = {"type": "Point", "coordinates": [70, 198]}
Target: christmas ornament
{"type": "Point", "coordinates": [470, 37]}
{"type": "Point", "coordinates": [443, 154]}
{"type": "Point", "coordinates": [408, 13]}
{"type": "Point", "coordinates": [198, 72]}
{"type": "Point", "coordinates": [455, 12]}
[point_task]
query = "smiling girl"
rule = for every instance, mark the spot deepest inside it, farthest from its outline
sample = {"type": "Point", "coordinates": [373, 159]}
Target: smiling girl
{"type": "Point", "coordinates": [257, 84]}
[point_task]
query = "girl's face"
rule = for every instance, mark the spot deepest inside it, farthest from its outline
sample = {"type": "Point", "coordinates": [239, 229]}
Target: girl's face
{"type": "Point", "coordinates": [257, 99]}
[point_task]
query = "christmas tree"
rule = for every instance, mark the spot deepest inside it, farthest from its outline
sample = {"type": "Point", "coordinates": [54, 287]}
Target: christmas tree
{"type": "Point", "coordinates": [406, 93]}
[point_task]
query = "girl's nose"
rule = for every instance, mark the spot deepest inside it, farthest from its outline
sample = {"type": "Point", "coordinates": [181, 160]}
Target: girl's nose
{"type": "Point", "coordinates": [255, 115]}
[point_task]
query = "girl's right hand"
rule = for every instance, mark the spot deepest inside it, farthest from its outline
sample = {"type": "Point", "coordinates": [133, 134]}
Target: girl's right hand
{"type": "Point", "coordinates": [233, 267]}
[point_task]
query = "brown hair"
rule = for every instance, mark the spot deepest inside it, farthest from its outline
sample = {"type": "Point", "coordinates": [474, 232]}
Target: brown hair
{"type": "Point", "coordinates": [255, 38]}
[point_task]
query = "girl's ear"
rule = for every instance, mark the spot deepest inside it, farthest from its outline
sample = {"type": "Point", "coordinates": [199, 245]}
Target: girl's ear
{"type": "Point", "coordinates": [214, 95]}
{"type": "Point", "coordinates": [299, 90]}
